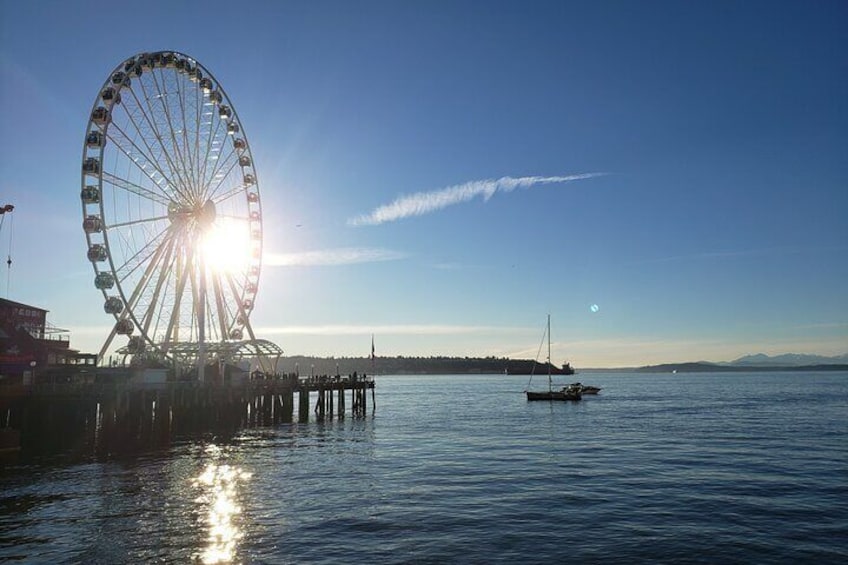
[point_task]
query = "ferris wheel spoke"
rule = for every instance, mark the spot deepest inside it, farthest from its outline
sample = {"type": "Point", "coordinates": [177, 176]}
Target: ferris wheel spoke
{"type": "Point", "coordinates": [165, 273]}
{"type": "Point", "coordinates": [217, 169]}
{"type": "Point", "coordinates": [209, 318]}
{"type": "Point", "coordinates": [189, 160]}
{"type": "Point", "coordinates": [200, 140]}
{"type": "Point", "coordinates": [219, 173]}
{"type": "Point", "coordinates": [136, 222]}
{"type": "Point", "coordinates": [210, 147]}
{"type": "Point", "coordinates": [237, 290]}
{"type": "Point", "coordinates": [240, 309]}
{"type": "Point", "coordinates": [229, 194]}
{"type": "Point", "coordinates": [148, 118]}
{"type": "Point", "coordinates": [223, 313]}
{"type": "Point", "coordinates": [214, 331]}
{"type": "Point", "coordinates": [163, 96]}
{"type": "Point", "coordinates": [151, 115]}
{"type": "Point", "coordinates": [197, 309]}
{"type": "Point", "coordinates": [146, 134]}
{"type": "Point", "coordinates": [171, 331]}
{"type": "Point", "coordinates": [200, 117]}
{"type": "Point", "coordinates": [136, 189]}
{"type": "Point", "coordinates": [134, 151]}
{"type": "Point", "coordinates": [205, 312]}
{"type": "Point", "coordinates": [148, 158]}
{"type": "Point", "coordinates": [162, 251]}
{"type": "Point", "coordinates": [145, 252]}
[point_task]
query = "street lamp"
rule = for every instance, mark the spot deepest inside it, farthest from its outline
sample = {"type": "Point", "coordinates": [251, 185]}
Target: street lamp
{"type": "Point", "coordinates": [31, 376]}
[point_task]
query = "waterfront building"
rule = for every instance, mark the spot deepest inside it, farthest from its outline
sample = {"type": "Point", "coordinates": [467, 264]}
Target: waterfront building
{"type": "Point", "coordinates": [30, 346]}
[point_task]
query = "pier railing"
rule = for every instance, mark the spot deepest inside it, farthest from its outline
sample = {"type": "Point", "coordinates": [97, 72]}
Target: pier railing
{"type": "Point", "coordinates": [265, 385]}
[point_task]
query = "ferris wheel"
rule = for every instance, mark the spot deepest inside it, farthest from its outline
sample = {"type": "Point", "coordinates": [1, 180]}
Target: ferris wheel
{"type": "Point", "coordinates": [171, 209]}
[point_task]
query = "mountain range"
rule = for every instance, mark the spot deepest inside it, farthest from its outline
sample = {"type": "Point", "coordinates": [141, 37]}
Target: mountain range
{"type": "Point", "coordinates": [787, 360]}
{"type": "Point", "coordinates": [756, 362]}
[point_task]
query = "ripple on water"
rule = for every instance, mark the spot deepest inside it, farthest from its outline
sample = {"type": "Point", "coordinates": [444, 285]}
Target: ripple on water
{"type": "Point", "coordinates": [684, 469]}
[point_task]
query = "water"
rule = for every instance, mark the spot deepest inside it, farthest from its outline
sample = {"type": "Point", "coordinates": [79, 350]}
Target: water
{"type": "Point", "coordinates": [707, 468]}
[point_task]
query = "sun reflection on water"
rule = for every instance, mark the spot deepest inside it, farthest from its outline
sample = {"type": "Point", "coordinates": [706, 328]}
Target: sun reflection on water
{"type": "Point", "coordinates": [219, 485]}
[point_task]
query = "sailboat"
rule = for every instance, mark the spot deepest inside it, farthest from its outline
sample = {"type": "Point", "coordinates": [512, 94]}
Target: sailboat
{"type": "Point", "coordinates": [565, 393]}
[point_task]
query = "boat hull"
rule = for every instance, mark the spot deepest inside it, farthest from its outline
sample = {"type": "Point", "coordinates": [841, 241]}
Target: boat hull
{"type": "Point", "coordinates": [585, 389]}
{"type": "Point", "coordinates": [553, 395]}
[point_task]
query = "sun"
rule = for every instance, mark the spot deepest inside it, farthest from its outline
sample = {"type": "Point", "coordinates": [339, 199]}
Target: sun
{"type": "Point", "coordinates": [225, 245]}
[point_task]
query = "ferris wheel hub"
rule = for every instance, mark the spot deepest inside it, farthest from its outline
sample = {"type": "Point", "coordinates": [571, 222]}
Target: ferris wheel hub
{"type": "Point", "coordinates": [206, 214]}
{"type": "Point", "coordinates": [201, 214]}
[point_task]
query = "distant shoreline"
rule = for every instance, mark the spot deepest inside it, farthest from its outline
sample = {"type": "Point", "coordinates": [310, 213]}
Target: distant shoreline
{"type": "Point", "coordinates": [401, 365]}
{"type": "Point", "coordinates": [710, 368]}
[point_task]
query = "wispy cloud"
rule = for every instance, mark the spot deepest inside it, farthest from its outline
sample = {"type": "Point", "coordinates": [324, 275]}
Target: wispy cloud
{"type": "Point", "coordinates": [422, 203]}
{"type": "Point", "coordinates": [393, 329]}
{"type": "Point", "coordinates": [332, 257]}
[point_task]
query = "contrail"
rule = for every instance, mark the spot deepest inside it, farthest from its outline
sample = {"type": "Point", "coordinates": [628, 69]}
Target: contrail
{"type": "Point", "coordinates": [422, 203]}
{"type": "Point", "coordinates": [392, 329]}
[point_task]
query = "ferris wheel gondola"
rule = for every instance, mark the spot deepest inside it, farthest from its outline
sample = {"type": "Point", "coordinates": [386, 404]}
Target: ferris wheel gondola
{"type": "Point", "coordinates": [171, 208]}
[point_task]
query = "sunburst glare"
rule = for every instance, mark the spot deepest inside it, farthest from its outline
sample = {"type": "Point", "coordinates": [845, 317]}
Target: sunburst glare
{"type": "Point", "coordinates": [219, 486]}
{"type": "Point", "coordinates": [226, 246]}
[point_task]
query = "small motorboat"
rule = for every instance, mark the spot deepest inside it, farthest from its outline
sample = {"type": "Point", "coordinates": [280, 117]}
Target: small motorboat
{"type": "Point", "coordinates": [586, 389]}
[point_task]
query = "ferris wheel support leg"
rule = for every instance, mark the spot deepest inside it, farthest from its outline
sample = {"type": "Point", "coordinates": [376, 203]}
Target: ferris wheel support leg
{"type": "Point", "coordinates": [106, 344]}
{"type": "Point", "coordinates": [201, 327]}
{"type": "Point", "coordinates": [261, 359]}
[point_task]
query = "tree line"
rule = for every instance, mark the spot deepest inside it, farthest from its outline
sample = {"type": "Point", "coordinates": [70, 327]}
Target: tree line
{"type": "Point", "coordinates": [400, 365]}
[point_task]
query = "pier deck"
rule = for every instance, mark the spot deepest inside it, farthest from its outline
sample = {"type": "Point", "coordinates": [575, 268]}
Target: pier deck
{"type": "Point", "coordinates": [134, 411]}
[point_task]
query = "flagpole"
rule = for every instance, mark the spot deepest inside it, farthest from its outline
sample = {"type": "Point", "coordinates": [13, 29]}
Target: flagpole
{"type": "Point", "coordinates": [373, 369]}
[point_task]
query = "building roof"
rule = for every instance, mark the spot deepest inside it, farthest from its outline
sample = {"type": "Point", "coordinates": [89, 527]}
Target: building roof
{"type": "Point", "coordinates": [5, 302]}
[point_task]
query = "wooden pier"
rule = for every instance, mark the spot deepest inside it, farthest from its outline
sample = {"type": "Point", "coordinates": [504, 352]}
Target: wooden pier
{"type": "Point", "coordinates": [123, 414]}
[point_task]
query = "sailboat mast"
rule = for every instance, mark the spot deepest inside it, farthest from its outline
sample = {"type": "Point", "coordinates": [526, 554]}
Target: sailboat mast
{"type": "Point", "coordinates": [550, 386]}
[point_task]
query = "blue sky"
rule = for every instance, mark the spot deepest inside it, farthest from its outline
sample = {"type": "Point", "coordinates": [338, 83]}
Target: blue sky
{"type": "Point", "coordinates": [707, 143]}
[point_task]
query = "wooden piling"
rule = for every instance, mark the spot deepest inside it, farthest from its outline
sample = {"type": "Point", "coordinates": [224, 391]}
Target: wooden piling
{"type": "Point", "coordinates": [303, 405]}
{"type": "Point", "coordinates": [122, 415]}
